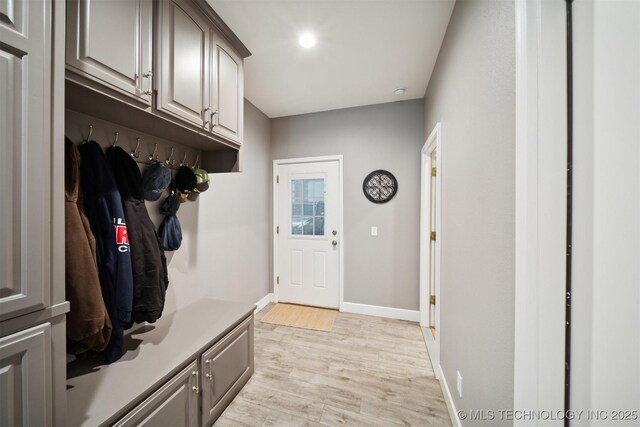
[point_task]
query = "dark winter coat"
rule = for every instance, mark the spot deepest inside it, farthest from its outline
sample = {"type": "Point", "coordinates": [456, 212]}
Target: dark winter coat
{"type": "Point", "coordinates": [107, 219]}
{"type": "Point", "coordinates": [88, 324]}
{"type": "Point", "coordinates": [149, 264]}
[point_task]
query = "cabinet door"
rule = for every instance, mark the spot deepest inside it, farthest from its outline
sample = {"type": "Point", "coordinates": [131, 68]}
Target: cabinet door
{"type": "Point", "coordinates": [111, 41]}
{"type": "Point", "coordinates": [25, 377]}
{"type": "Point", "coordinates": [183, 86]}
{"type": "Point", "coordinates": [174, 404]}
{"type": "Point", "coordinates": [226, 367]}
{"type": "Point", "coordinates": [25, 155]}
{"type": "Point", "coordinates": [228, 93]}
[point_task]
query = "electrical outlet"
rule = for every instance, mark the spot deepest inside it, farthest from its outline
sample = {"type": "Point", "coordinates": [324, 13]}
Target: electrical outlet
{"type": "Point", "coordinates": [459, 384]}
{"type": "Point", "coordinates": [374, 230]}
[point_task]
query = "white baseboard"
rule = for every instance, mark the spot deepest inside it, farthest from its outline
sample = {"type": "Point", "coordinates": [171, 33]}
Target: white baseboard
{"type": "Point", "coordinates": [376, 310]}
{"type": "Point", "coordinates": [453, 413]}
{"type": "Point", "coordinates": [263, 302]}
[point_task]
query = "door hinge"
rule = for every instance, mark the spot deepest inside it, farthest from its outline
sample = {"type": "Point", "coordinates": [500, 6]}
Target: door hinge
{"type": "Point", "coordinates": [432, 300]}
{"type": "Point", "coordinates": [277, 280]}
{"type": "Point", "coordinates": [434, 171]}
{"type": "Point", "coordinates": [433, 236]}
{"type": "Point", "coordinates": [278, 229]}
{"type": "Point", "coordinates": [278, 179]}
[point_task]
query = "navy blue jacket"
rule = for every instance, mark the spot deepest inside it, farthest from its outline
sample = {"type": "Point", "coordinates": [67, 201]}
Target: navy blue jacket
{"type": "Point", "coordinates": [106, 216]}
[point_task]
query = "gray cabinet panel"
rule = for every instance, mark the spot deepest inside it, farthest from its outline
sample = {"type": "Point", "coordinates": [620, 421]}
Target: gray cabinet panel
{"type": "Point", "coordinates": [12, 14]}
{"type": "Point", "coordinates": [174, 404]}
{"type": "Point", "coordinates": [25, 372]}
{"type": "Point", "coordinates": [111, 41]}
{"type": "Point", "coordinates": [25, 147]}
{"type": "Point", "coordinates": [228, 91]}
{"type": "Point", "coordinates": [226, 367]}
{"type": "Point", "coordinates": [183, 84]}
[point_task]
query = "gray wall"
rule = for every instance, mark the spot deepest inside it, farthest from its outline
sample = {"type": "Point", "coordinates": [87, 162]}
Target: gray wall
{"type": "Point", "coordinates": [234, 222]}
{"type": "Point", "coordinates": [380, 270]}
{"type": "Point", "coordinates": [472, 92]}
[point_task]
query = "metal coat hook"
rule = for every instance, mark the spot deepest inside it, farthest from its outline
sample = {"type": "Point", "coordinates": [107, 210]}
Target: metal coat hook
{"type": "Point", "coordinates": [115, 141]}
{"type": "Point", "coordinates": [168, 161]}
{"type": "Point", "coordinates": [153, 155]}
{"type": "Point", "coordinates": [184, 160]}
{"type": "Point", "coordinates": [136, 153]}
{"type": "Point", "coordinates": [90, 133]}
{"type": "Point", "coordinates": [196, 162]}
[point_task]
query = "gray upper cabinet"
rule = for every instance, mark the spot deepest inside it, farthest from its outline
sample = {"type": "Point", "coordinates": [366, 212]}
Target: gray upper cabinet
{"type": "Point", "coordinates": [25, 162]}
{"type": "Point", "coordinates": [25, 378]}
{"type": "Point", "coordinates": [111, 42]}
{"type": "Point", "coordinates": [227, 91]}
{"type": "Point", "coordinates": [184, 40]}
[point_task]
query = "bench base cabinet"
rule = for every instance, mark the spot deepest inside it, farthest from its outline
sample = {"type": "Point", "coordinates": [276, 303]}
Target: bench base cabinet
{"type": "Point", "coordinates": [174, 404]}
{"type": "Point", "coordinates": [200, 392]}
{"type": "Point", "coordinates": [227, 366]}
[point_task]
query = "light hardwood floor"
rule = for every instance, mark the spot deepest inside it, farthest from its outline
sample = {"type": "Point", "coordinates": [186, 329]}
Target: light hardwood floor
{"type": "Point", "coordinates": [368, 371]}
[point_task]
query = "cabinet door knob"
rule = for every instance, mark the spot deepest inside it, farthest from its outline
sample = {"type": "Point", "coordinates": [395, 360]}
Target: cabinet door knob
{"type": "Point", "coordinates": [205, 115]}
{"type": "Point", "coordinates": [148, 75]}
{"type": "Point", "coordinates": [209, 374]}
{"type": "Point", "coordinates": [196, 388]}
{"type": "Point", "coordinates": [213, 123]}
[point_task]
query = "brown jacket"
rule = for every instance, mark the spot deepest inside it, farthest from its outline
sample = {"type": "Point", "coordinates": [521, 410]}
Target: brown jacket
{"type": "Point", "coordinates": [88, 324]}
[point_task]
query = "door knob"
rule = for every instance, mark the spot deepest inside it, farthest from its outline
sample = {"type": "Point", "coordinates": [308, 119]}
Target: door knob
{"type": "Point", "coordinates": [334, 243]}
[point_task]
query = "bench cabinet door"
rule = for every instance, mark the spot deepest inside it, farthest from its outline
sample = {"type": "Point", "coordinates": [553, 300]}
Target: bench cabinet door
{"type": "Point", "coordinates": [173, 404]}
{"type": "Point", "coordinates": [227, 366]}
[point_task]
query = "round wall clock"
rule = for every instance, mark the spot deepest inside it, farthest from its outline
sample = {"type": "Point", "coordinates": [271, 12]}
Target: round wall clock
{"type": "Point", "coordinates": [380, 186]}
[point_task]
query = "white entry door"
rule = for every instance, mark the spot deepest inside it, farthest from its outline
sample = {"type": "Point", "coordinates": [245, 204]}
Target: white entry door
{"type": "Point", "coordinates": [307, 233]}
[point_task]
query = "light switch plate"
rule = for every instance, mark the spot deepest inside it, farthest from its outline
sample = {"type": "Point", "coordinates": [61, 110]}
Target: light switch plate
{"type": "Point", "coordinates": [374, 231]}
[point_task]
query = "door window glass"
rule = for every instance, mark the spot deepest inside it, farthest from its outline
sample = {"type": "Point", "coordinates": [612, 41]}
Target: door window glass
{"type": "Point", "coordinates": [307, 207]}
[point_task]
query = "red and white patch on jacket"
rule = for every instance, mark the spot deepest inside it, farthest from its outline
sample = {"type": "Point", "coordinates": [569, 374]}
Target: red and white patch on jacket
{"type": "Point", "coordinates": [122, 235]}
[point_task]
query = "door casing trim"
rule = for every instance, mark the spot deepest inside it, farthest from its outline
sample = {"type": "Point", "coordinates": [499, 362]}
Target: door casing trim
{"type": "Point", "coordinates": [274, 192]}
{"type": "Point", "coordinates": [433, 142]}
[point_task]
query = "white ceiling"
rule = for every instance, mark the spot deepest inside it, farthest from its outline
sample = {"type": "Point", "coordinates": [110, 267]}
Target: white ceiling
{"type": "Point", "coordinates": [366, 49]}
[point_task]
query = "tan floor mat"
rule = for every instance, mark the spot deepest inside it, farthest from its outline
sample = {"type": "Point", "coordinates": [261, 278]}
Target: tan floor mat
{"type": "Point", "coordinates": [300, 316]}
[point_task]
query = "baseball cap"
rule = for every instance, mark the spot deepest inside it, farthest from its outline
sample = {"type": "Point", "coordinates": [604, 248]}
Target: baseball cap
{"type": "Point", "coordinates": [155, 180]}
{"type": "Point", "coordinates": [202, 184]}
{"type": "Point", "coordinates": [185, 181]}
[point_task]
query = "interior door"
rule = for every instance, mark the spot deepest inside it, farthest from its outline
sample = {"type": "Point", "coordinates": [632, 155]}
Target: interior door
{"type": "Point", "coordinates": [308, 235]}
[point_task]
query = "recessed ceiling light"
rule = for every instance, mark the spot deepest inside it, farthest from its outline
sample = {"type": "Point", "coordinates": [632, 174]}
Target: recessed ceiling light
{"type": "Point", "coordinates": [307, 40]}
{"type": "Point", "coordinates": [400, 91]}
